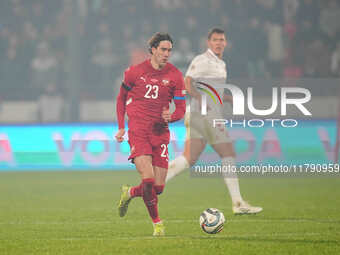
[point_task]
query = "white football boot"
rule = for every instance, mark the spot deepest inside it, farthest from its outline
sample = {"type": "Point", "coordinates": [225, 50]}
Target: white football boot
{"type": "Point", "coordinates": [244, 208]}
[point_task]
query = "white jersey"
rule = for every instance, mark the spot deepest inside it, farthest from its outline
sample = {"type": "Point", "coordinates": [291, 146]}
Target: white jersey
{"type": "Point", "coordinates": [207, 66]}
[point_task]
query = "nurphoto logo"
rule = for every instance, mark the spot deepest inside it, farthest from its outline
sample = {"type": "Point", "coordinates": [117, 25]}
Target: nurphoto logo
{"type": "Point", "coordinates": [295, 96]}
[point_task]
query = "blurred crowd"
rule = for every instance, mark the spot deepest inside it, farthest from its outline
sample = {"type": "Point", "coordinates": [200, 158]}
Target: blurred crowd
{"type": "Point", "coordinates": [267, 38]}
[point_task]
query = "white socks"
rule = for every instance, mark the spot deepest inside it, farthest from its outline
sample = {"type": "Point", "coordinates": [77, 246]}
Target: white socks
{"type": "Point", "coordinates": [231, 180]}
{"type": "Point", "coordinates": [180, 163]}
{"type": "Point", "coordinates": [176, 166]}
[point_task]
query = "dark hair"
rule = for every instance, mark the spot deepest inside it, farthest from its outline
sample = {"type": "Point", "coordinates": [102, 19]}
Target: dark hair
{"type": "Point", "coordinates": [215, 30]}
{"type": "Point", "coordinates": [157, 38]}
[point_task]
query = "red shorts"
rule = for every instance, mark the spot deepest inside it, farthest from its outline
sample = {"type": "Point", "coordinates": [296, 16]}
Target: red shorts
{"type": "Point", "coordinates": [144, 141]}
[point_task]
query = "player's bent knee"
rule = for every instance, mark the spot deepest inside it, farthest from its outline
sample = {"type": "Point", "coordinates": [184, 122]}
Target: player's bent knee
{"type": "Point", "coordinates": [159, 189]}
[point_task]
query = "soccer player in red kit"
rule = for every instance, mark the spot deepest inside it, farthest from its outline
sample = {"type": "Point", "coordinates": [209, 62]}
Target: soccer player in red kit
{"type": "Point", "coordinates": [145, 94]}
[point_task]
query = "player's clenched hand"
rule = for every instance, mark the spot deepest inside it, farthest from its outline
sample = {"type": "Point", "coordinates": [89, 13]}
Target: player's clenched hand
{"type": "Point", "coordinates": [119, 136]}
{"type": "Point", "coordinates": [166, 115]}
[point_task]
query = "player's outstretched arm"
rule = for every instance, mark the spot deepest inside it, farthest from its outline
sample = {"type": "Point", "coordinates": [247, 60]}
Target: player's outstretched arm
{"type": "Point", "coordinates": [191, 89]}
{"type": "Point", "coordinates": [179, 111]}
{"type": "Point", "coordinates": [179, 100]}
{"type": "Point", "coordinates": [120, 108]}
{"type": "Point", "coordinates": [120, 135]}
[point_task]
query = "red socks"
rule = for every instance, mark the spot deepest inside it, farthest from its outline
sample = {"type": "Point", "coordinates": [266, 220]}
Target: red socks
{"type": "Point", "coordinates": [149, 191]}
{"type": "Point", "coordinates": [150, 198]}
{"type": "Point", "coordinates": [136, 191]}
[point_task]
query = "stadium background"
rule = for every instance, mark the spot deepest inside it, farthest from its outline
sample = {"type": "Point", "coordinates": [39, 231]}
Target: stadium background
{"type": "Point", "coordinates": [62, 64]}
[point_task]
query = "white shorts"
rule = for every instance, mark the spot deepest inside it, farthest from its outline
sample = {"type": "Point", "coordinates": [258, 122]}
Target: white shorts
{"type": "Point", "coordinates": [201, 127]}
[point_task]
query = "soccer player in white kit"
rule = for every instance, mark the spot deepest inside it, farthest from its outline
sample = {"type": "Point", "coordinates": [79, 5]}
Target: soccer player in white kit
{"type": "Point", "coordinates": [200, 130]}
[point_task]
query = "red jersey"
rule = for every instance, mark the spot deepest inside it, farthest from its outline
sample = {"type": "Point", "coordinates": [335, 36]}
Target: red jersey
{"type": "Point", "coordinates": [146, 91]}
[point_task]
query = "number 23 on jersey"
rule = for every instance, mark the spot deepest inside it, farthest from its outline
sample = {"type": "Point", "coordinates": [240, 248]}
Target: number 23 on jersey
{"type": "Point", "coordinates": [152, 91]}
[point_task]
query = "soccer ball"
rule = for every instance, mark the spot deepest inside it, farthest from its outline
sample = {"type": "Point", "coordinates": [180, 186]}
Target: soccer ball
{"type": "Point", "coordinates": [212, 221]}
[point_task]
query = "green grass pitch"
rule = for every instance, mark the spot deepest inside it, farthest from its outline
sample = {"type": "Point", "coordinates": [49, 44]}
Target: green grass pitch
{"type": "Point", "coordinates": [75, 213]}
